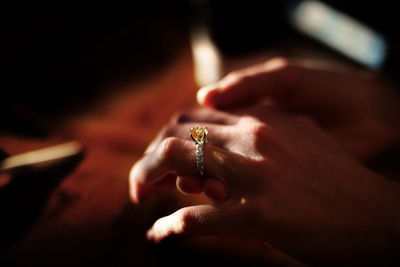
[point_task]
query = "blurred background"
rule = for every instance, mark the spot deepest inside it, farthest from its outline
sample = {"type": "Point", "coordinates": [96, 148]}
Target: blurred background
{"type": "Point", "coordinates": [109, 75]}
{"type": "Point", "coordinates": [60, 57]}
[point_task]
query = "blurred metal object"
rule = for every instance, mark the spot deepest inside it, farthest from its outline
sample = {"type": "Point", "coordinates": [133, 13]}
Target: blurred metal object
{"type": "Point", "coordinates": [207, 62]}
{"type": "Point", "coordinates": [206, 56]}
{"type": "Point", "coordinates": [27, 182]}
{"type": "Point", "coordinates": [340, 32]}
{"type": "Point", "coordinates": [40, 156]}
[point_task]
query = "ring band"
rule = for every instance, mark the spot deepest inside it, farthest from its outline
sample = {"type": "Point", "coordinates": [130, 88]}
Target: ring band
{"type": "Point", "coordinates": [198, 135]}
{"type": "Point", "coordinates": [199, 158]}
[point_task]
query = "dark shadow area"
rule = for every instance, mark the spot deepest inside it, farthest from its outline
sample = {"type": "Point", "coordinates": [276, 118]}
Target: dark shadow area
{"type": "Point", "coordinates": [59, 58]}
{"type": "Point", "coordinates": [23, 199]}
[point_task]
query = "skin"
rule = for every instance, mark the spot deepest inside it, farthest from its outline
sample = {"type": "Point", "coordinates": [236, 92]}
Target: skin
{"type": "Point", "coordinates": [357, 108]}
{"type": "Point", "coordinates": [273, 175]}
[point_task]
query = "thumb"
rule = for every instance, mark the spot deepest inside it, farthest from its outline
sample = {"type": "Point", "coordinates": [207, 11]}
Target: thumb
{"type": "Point", "coordinates": [249, 85]}
{"type": "Point", "coordinates": [190, 221]}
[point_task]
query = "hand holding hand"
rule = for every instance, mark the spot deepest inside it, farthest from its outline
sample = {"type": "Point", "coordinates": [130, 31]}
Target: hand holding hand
{"type": "Point", "coordinates": [274, 176]}
{"type": "Point", "coordinates": [362, 113]}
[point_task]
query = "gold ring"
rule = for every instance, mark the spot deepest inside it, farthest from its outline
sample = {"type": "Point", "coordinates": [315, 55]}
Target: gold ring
{"type": "Point", "coordinates": [198, 135]}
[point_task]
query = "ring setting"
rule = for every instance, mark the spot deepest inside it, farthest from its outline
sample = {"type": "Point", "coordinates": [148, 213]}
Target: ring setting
{"type": "Point", "coordinates": [199, 135]}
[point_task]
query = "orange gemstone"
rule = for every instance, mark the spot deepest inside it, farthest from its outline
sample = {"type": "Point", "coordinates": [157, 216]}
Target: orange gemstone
{"type": "Point", "coordinates": [199, 133]}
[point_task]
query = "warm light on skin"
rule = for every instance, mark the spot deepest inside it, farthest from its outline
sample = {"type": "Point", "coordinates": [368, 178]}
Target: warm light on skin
{"type": "Point", "coordinates": [165, 226]}
{"type": "Point", "coordinates": [40, 156]}
{"type": "Point", "coordinates": [219, 157]}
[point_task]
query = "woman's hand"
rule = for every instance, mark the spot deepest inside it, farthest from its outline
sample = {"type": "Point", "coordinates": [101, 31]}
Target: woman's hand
{"type": "Point", "coordinates": [276, 177]}
{"type": "Point", "coordinates": [360, 112]}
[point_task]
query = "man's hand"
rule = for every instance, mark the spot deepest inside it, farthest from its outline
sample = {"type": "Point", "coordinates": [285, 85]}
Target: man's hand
{"type": "Point", "coordinates": [361, 113]}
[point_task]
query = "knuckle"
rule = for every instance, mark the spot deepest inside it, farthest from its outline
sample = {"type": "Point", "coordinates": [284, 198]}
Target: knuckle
{"type": "Point", "coordinates": [262, 133]}
{"type": "Point", "coordinates": [168, 148]}
{"type": "Point", "coordinates": [258, 131]}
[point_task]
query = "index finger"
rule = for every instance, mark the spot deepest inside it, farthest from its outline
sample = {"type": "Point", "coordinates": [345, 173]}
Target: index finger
{"type": "Point", "coordinates": [272, 78]}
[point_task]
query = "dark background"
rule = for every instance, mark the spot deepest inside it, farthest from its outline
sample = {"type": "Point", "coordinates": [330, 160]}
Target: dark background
{"type": "Point", "coordinates": [58, 58]}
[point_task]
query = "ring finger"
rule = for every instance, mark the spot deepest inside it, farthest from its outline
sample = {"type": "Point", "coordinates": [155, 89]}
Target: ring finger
{"type": "Point", "coordinates": [177, 156]}
{"type": "Point", "coordinates": [220, 133]}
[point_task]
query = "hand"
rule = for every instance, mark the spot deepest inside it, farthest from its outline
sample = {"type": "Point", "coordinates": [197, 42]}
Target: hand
{"type": "Point", "coordinates": [280, 178]}
{"type": "Point", "coordinates": [360, 112]}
